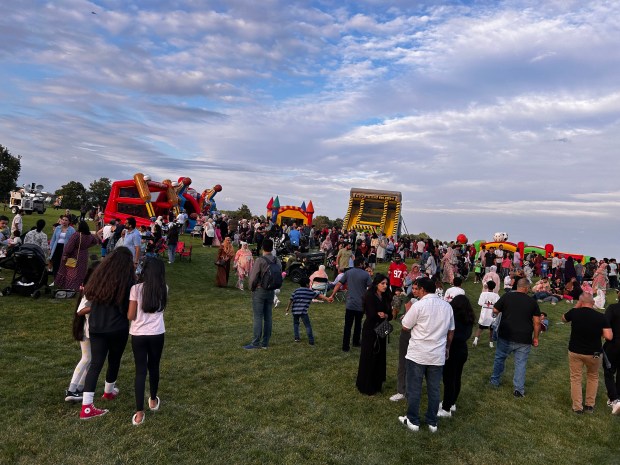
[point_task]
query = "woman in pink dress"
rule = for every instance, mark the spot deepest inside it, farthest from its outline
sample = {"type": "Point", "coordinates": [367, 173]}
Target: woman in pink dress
{"type": "Point", "coordinates": [243, 264]}
{"type": "Point", "coordinates": [448, 266]}
{"type": "Point", "coordinates": [600, 280]}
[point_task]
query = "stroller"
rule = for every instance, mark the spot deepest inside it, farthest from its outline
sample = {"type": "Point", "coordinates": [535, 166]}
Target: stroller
{"type": "Point", "coordinates": [29, 271]}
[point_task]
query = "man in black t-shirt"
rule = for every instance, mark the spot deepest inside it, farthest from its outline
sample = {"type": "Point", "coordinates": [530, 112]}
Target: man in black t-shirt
{"type": "Point", "coordinates": [584, 349]}
{"type": "Point", "coordinates": [520, 317]}
{"type": "Point", "coordinates": [612, 350]}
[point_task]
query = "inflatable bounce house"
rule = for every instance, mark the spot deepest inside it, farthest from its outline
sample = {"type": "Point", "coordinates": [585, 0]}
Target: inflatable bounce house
{"type": "Point", "coordinates": [501, 238]}
{"type": "Point", "coordinates": [143, 199]}
{"type": "Point", "coordinates": [374, 210]}
{"type": "Point", "coordinates": [289, 213]}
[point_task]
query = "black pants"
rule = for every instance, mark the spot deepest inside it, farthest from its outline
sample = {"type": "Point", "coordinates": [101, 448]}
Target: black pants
{"type": "Point", "coordinates": [147, 352]}
{"type": "Point", "coordinates": [452, 372]}
{"type": "Point", "coordinates": [351, 317]}
{"type": "Point", "coordinates": [56, 258]}
{"type": "Point", "coordinates": [612, 374]}
{"type": "Point", "coordinates": [102, 345]}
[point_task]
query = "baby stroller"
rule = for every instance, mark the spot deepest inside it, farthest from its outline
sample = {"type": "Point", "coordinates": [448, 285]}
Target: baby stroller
{"type": "Point", "coordinates": [30, 271]}
{"type": "Point", "coordinates": [462, 267]}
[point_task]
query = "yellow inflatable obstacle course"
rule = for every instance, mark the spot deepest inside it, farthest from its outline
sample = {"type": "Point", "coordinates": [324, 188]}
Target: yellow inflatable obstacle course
{"type": "Point", "coordinates": [374, 210]}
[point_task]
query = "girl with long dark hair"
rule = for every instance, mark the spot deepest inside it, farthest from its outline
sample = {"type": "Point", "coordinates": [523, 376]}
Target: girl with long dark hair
{"type": "Point", "coordinates": [81, 334]}
{"type": "Point", "coordinates": [453, 369]}
{"type": "Point", "coordinates": [147, 302]}
{"type": "Point", "coordinates": [108, 291]}
{"type": "Point", "coordinates": [372, 366]}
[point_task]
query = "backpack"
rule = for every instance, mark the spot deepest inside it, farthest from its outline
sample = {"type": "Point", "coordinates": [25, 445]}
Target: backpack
{"type": "Point", "coordinates": [272, 279]}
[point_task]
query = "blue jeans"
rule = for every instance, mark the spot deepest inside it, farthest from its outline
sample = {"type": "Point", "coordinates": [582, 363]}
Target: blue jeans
{"type": "Point", "coordinates": [415, 375]}
{"type": "Point", "coordinates": [306, 320]}
{"type": "Point", "coordinates": [503, 350]}
{"type": "Point", "coordinates": [172, 251]}
{"type": "Point", "coordinates": [262, 304]}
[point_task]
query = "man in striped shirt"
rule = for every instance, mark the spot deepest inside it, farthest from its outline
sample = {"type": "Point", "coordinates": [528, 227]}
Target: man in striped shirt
{"type": "Point", "coordinates": [300, 301]}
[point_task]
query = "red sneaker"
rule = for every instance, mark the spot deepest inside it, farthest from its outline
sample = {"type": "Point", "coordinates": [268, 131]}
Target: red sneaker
{"type": "Point", "coordinates": [111, 395]}
{"type": "Point", "coordinates": [90, 411]}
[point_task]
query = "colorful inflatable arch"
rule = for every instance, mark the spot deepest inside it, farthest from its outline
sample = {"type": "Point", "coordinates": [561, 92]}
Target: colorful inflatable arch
{"type": "Point", "coordinates": [374, 210]}
{"type": "Point", "coordinates": [278, 214]}
{"type": "Point", "coordinates": [143, 199]}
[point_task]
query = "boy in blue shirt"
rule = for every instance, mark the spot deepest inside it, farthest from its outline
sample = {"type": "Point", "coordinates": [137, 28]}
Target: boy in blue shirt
{"type": "Point", "coordinates": [300, 302]}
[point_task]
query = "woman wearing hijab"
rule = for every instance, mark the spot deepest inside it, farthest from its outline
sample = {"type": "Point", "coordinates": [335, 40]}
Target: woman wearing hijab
{"type": "Point", "coordinates": [224, 256]}
{"type": "Point", "coordinates": [243, 264]}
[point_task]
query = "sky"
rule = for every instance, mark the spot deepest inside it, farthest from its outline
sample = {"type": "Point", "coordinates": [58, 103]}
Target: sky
{"type": "Point", "coordinates": [488, 116]}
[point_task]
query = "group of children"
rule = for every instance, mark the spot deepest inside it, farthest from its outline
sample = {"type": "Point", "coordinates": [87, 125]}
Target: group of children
{"type": "Point", "coordinates": [147, 301]}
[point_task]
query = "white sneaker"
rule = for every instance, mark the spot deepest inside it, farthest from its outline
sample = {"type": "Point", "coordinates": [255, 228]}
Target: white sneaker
{"type": "Point", "coordinates": [405, 421]}
{"type": "Point", "coordinates": [615, 410]}
{"type": "Point", "coordinates": [443, 414]}
{"type": "Point", "coordinates": [396, 397]}
{"type": "Point", "coordinates": [432, 429]}
{"type": "Point", "coordinates": [491, 345]}
{"type": "Point", "coordinates": [453, 408]}
{"type": "Point", "coordinates": [475, 343]}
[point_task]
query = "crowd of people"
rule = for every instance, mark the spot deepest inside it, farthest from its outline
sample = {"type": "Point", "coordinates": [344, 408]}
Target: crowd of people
{"type": "Point", "coordinates": [125, 293]}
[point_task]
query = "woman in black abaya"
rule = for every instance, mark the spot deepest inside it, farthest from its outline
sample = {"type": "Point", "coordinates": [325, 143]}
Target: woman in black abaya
{"type": "Point", "coordinates": [377, 306]}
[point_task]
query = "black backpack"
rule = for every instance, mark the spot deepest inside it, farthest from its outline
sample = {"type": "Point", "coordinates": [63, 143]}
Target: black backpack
{"type": "Point", "coordinates": [272, 279]}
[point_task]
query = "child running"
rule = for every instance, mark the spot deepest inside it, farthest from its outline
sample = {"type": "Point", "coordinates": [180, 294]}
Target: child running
{"type": "Point", "coordinates": [147, 301]}
{"type": "Point", "coordinates": [300, 301]}
{"type": "Point", "coordinates": [80, 334]}
{"type": "Point", "coordinates": [486, 301]}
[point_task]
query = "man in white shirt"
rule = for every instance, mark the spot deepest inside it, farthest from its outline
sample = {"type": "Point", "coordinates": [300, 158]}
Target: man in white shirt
{"type": "Point", "coordinates": [431, 322]}
{"type": "Point", "coordinates": [181, 219]}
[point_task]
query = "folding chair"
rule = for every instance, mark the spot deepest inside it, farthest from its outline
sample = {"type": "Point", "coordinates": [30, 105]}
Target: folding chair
{"type": "Point", "coordinates": [180, 248]}
{"type": "Point", "coordinates": [320, 284]}
{"type": "Point", "coordinates": [341, 295]}
{"type": "Point", "coordinates": [186, 253]}
{"type": "Point", "coordinates": [196, 232]}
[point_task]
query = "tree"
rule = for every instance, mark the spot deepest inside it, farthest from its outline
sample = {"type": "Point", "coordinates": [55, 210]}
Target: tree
{"type": "Point", "coordinates": [242, 212]}
{"type": "Point", "coordinates": [10, 166]}
{"type": "Point", "coordinates": [321, 221]}
{"type": "Point", "coordinates": [99, 191]}
{"type": "Point", "coordinates": [73, 194]}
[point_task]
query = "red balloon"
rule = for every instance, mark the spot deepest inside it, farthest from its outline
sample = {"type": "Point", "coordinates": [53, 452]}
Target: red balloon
{"type": "Point", "coordinates": [461, 239]}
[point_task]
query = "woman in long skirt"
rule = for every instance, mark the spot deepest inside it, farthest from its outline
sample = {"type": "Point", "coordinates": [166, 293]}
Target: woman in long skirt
{"type": "Point", "coordinates": [372, 366]}
{"type": "Point", "coordinates": [224, 256]}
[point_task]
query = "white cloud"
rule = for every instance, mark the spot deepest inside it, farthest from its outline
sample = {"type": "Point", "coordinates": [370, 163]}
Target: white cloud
{"type": "Point", "coordinates": [511, 108]}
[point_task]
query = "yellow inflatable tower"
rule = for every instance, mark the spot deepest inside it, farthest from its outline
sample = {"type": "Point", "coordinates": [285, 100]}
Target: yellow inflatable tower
{"type": "Point", "coordinates": [373, 210]}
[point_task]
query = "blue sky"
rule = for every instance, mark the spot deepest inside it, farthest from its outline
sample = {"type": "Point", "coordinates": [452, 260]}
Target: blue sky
{"type": "Point", "coordinates": [487, 116]}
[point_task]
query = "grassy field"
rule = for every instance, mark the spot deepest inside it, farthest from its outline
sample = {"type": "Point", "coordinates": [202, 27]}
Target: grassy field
{"type": "Point", "coordinates": [290, 404]}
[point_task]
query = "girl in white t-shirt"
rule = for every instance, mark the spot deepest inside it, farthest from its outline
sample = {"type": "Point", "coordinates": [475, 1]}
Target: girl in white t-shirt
{"type": "Point", "coordinates": [147, 301]}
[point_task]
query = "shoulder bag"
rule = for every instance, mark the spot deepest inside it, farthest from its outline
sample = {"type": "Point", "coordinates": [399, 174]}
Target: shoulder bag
{"type": "Point", "coordinates": [383, 329]}
{"type": "Point", "coordinates": [72, 262]}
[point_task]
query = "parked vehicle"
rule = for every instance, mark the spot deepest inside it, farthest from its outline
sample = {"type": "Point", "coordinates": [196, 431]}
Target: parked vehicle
{"type": "Point", "coordinates": [28, 199]}
{"type": "Point", "coordinates": [299, 265]}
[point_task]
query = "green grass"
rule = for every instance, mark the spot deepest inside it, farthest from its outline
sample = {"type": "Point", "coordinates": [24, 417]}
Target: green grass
{"type": "Point", "coordinates": [290, 404]}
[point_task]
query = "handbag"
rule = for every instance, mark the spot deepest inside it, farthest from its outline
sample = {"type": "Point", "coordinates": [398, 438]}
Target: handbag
{"type": "Point", "coordinates": [383, 329]}
{"type": "Point", "coordinates": [72, 262]}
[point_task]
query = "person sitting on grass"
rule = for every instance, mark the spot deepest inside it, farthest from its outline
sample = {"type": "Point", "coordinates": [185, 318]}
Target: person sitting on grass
{"type": "Point", "coordinates": [300, 302]}
{"type": "Point", "coordinates": [544, 322]}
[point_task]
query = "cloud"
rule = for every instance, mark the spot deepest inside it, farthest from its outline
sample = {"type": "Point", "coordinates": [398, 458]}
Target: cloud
{"type": "Point", "coordinates": [501, 115]}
